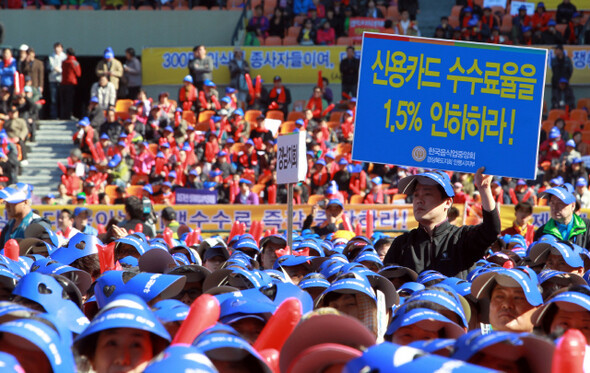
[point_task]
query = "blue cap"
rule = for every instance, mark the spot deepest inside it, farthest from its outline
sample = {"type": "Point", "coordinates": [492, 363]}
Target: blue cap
{"type": "Point", "coordinates": [342, 161]}
{"type": "Point", "coordinates": [169, 310]}
{"type": "Point", "coordinates": [245, 181]}
{"type": "Point", "coordinates": [209, 83]}
{"type": "Point", "coordinates": [148, 188]}
{"type": "Point", "coordinates": [55, 347]}
{"type": "Point", "coordinates": [300, 122]}
{"type": "Point", "coordinates": [94, 99]}
{"type": "Point", "coordinates": [572, 254]}
{"type": "Point", "coordinates": [215, 173]}
{"type": "Point", "coordinates": [229, 90]}
{"type": "Point", "coordinates": [358, 284]}
{"type": "Point", "coordinates": [570, 297]}
{"type": "Point", "coordinates": [321, 162]}
{"type": "Point", "coordinates": [225, 99]}
{"type": "Point", "coordinates": [80, 210]}
{"type": "Point", "coordinates": [576, 160]}
{"type": "Point", "coordinates": [377, 180]}
{"type": "Point", "coordinates": [123, 311]}
{"type": "Point", "coordinates": [483, 284]}
{"type": "Point", "coordinates": [561, 192]}
{"type": "Point", "coordinates": [145, 285]}
{"type": "Point", "coordinates": [562, 80]}
{"type": "Point", "coordinates": [430, 275]}
{"type": "Point", "coordinates": [246, 244]}
{"type": "Point", "coordinates": [108, 54]}
{"type": "Point", "coordinates": [369, 256]}
{"type": "Point", "coordinates": [239, 112]}
{"type": "Point", "coordinates": [335, 201]}
{"type": "Point", "coordinates": [115, 161]}
{"type": "Point", "coordinates": [84, 122]}
{"type": "Point", "coordinates": [581, 182]}
{"type": "Point", "coordinates": [186, 147]}
{"type": "Point", "coordinates": [181, 358]}
{"type": "Point", "coordinates": [47, 266]}
{"type": "Point", "coordinates": [403, 318]}
{"type": "Point", "coordinates": [188, 78]}
{"type": "Point", "coordinates": [291, 261]}
{"type": "Point", "coordinates": [244, 304]}
{"type": "Point", "coordinates": [79, 246]}
{"type": "Point", "coordinates": [408, 183]}
{"type": "Point", "coordinates": [554, 133]}
{"type": "Point", "coordinates": [518, 240]}
{"type": "Point", "coordinates": [229, 347]}
{"type": "Point", "coordinates": [160, 155]}
{"type": "Point", "coordinates": [450, 302]}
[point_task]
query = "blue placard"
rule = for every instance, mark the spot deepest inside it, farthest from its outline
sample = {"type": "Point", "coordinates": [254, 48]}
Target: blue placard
{"type": "Point", "coordinates": [189, 196]}
{"type": "Point", "coordinates": [440, 104]}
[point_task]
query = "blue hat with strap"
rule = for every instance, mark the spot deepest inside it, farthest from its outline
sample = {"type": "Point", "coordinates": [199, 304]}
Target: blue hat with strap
{"type": "Point", "coordinates": [430, 319]}
{"type": "Point", "coordinates": [79, 246]}
{"type": "Point", "coordinates": [408, 183]}
{"type": "Point", "coordinates": [181, 358]}
{"type": "Point", "coordinates": [233, 347]}
{"type": "Point", "coordinates": [169, 310]}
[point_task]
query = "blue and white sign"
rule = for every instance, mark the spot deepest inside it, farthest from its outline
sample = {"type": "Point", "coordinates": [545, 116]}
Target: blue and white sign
{"type": "Point", "coordinates": [443, 104]}
{"type": "Point", "coordinates": [188, 196]}
{"type": "Point", "coordinates": [291, 162]}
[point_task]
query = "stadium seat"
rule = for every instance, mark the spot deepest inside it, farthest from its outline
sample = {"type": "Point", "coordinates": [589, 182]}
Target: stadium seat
{"type": "Point", "coordinates": [344, 40]}
{"type": "Point", "coordinates": [153, 148]}
{"type": "Point", "coordinates": [315, 198]}
{"type": "Point", "coordinates": [561, 28]}
{"type": "Point", "coordinates": [573, 125]}
{"type": "Point", "coordinates": [290, 40]}
{"type": "Point", "coordinates": [456, 10]}
{"type": "Point", "coordinates": [397, 197]}
{"type": "Point", "coordinates": [336, 116]}
{"type": "Point", "coordinates": [356, 199]}
{"type": "Point", "coordinates": [286, 127]}
{"type": "Point", "coordinates": [111, 191]}
{"type": "Point", "coordinates": [584, 103]}
{"type": "Point", "coordinates": [189, 116]}
{"type": "Point", "coordinates": [343, 148]}
{"type": "Point", "coordinates": [251, 115]}
{"type": "Point", "coordinates": [586, 135]}
{"type": "Point", "coordinates": [200, 8]}
{"type": "Point", "coordinates": [238, 147]}
{"type": "Point", "coordinates": [293, 31]}
{"type": "Point", "coordinates": [580, 115]}
{"type": "Point", "coordinates": [333, 125]}
{"type": "Point", "coordinates": [555, 114]}
{"type": "Point", "coordinates": [257, 188]}
{"type": "Point", "coordinates": [299, 105]}
{"type": "Point", "coordinates": [203, 126]}
{"type": "Point", "coordinates": [275, 114]}
{"type": "Point", "coordinates": [123, 105]}
{"type": "Point", "coordinates": [273, 40]}
{"type": "Point", "coordinates": [393, 13]}
{"type": "Point", "coordinates": [294, 115]}
{"type": "Point", "coordinates": [498, 9]}
{"type": "Point", "coordinates": [205, 115]}
{"type": "Point", "coordinates": [269, 6]}
{"type": "Point", "coordinates": [454, 21]}
{"type": "Point", "coordinates": [506, 24]}
{"type": "Point", "coordinates": [298, 20]}
{"type": "Point", "coordinates": [134, 190]}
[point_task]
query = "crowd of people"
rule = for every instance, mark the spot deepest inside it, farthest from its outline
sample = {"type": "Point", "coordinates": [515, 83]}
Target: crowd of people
{"type": "Point", "coordinates": [125, 298]}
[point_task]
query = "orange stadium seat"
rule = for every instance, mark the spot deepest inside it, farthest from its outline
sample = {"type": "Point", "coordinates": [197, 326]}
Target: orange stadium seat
{"type": "Point", "coordinates": [205, 115]}
{"type": "Point", "coordinates": [111, 191]}
{"type": "Point", "coordinates": [356, 199]}
{"type": "Point", "coordinates": [454, 21]}
{"type": "Point", "coordinates": [315, 198]}
{"type": "Point", "coordinates": [555, 114]}
{"type": "Point", "coordinates": [293, 31]}
{"type": "Point", "coordinates": [393, 13]}
{"type": "Point", "coordinates": [506, 24]}
{"type": "Point", "coordinates": [134, 190]}
{"type": "Point", "coordinates": [456, 10]}
{"type": "Point", "coordinates": [580, 115]}
{"type": "Point", "coordinates": [336, 116]}
{"type": "Point", "coordinates": [257, 188]}
{"type": "Point", "coordinates": [123, 105]}
{"type": "Point", "coordinates": [251, 115]}
{"type": "Point", "coordinates": [573, 125]}
{"type": "Point", "coordinates": [290, 40]}
{"type": "Point", "coordinates": [286, 127]}
{"type": "Point", "coordinates": [189, 116]}
{"type": "Point", "coordinates": [584, 103]}
{"type": "Point", "coordinates": [344, 40]}
{"type": "Point", "coordinates": [294, 115]}
{"type": "Point", "coordinates": [273, 40]}
{"type": "Point", "coordinates": [275, 114]}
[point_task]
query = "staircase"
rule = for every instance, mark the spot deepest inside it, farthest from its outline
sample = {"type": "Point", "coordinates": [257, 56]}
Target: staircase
{"type": "Point", "coordinates": [53, 142]}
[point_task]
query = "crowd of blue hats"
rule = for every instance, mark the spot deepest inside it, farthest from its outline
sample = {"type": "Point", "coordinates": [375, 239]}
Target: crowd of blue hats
{"type": "Point", "coordinates": [238, 304]}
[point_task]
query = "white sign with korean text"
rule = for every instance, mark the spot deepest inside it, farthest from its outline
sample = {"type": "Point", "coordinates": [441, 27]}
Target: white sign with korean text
{"type": "Point", "coordinates": [291, 163]}
{"type": "Point", "coordinates": [530, 7]}
{"type": "Point", "coordinates": [491, 3]}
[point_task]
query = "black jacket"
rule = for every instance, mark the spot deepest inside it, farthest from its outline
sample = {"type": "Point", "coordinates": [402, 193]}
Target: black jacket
{"type": "Point", "coordinates": [451, 250]}
{"type": "Point", "coordinates": [349, 68]}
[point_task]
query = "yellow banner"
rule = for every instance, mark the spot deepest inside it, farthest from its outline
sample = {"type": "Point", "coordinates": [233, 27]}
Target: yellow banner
{"type": "Point", "coordinates": [552, 4]}
{"type": "Point", "coordinates": [295, 64]}
{"type": "Point", "coordinates": [220, 217]}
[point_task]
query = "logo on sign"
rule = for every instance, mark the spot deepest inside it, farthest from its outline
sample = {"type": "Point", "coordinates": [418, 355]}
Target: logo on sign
{"type": "Point", "coordinates": [419, 153]}
{"type": "Point", "coordinates": [287, 157]}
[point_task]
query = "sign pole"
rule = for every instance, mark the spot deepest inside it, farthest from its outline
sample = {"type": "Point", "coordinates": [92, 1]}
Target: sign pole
{"type": "Point", "coordinates": [290, 217]}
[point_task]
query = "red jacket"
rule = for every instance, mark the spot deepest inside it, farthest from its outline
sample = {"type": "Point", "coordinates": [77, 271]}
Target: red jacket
{"type": "Point", "coordinates": [70, 71]}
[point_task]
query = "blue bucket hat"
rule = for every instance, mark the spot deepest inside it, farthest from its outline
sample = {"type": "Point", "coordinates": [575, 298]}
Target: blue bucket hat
{"type": "Point", "coordinates": [79, 246]}
{"type": "Point", "coordinates": [16, 193]}
{"type": "Point", "coordinates": [81, 278]}
{"type": "Point", "coordinates": [222, 346]}
{"type": "Point", "coordinates": [145, 285]}
{"type": "Point", "coordinates": [133, 240]}
{"type": "Point", "coordinates": [408, 183]}
{"type": "Point", "coordinates": [434, 345]}
{"type": "Point", "coordinates": [84, 122]}
{"type": "Point", "coordinates": [209, 83]}
{"type": "Point", "coordinates": [483, 284]}
{"type": "Point", "coordinates": [404, 317]}
{"type": "Point", "coordinates": [181, 358]}
{"type": "Point", "coordinates": [443, 299]}
{"type": "Point", "coordinates": [123, 311]}
{"type": "Point", "coordinates": [249, 303]}
{"type": "Point", "coordinates": [570, 297]}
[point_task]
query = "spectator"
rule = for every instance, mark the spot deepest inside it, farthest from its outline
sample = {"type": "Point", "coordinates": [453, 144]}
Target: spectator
{"type": "Point", "coordinates": [550, 35]}
{"type": "Point", "coordinates": [201, 67]}
{"type": "Point", "coordinates": [110, 67]}
{"type": "Point", "coordinates": [582, 147]}
{"type": "Point", "coordinates": [334, 212]}
{"type": "Point", "coordinates": [95, 113]}
{"type": "Point", "coordinates": [257, 27]}
{"type": "Point", "coordinates": [570, 153]}
{"type": "Point", "coordinates": [301, 7]}
{"type": "Point", "coordinates": [582, 193]}
{"type": "Point", "coordinates": [540, 19]}
{"type": "Point", "coordinates": [238, 68]}
{"type": "Point", "coordinates": [349, 69]}
{"type": "Point", "coordinates": [316, 104]}
{"type": "Point", "coordinates": [574, 33]}
{"type": "Point", "coordinates": [81, 216]}
{"type": "Point", "coordinates": [562, 96]}
{"type": "Point", "coordinates": [112, 127]}
{"type": "Point", "coordinates": [565, 11]}
{"type": "Point", "coordinates": [105, 91]}
{"type": "Point", "coordinates": [17, 200]}
{"type": "Point", "coordinates": [326, 34]}
{"type": "Point", "coordinates": [136, 213]}
{"type": "Point", "coordinates": [411, 6]}
{"type": "Point", "coordinates": [307, 35]}
{"type": "Point", "coordinates": [34, 68]}
{"type": "Point", "coordinates": [519, 22]}
{"type": "Point", "coordinates": [246, 196]}
{"type": "Point", "coordinates": [22, 58]}
{"type": "Point", "coordinates": [16, 128]}
{"type": "Point", "coordinates": [7, 69]}
{"type": "Point", "coordinates": [372, 11]}
{"type": "Point", "coordinates": [187, 94]}
{"type": "Point", "coordinates": [132, 74]}
{"type": "Point", "coordinates": [553, 147]}
{"type": "Point", "coordinates": [561, 66]}
{"type": "Point", "coordinates": [54, 64]}
{"type": "Point", "coordinates": [564, 224]}
{"type": "Point", "coordinates": [278, 24]}
{"type": "Point", "coordinates": [71, 72]}
{"type": "Point", "coordinates": [280, 94]}
{"type": "Point", "coordinates": [407, 26]}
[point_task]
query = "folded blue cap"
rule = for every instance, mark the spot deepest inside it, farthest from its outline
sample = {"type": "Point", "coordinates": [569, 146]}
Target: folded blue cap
{"type": "Point", "coordinates": [483, 284]}
{"type": "Point", "coordinates": [408, 183]}
{"type": "Point", "coordinates": [181, 358]}
{"type": "Point", "coordinates": [188, 78]}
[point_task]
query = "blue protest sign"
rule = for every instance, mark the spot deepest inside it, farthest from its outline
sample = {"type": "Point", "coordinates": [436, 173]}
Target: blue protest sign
{"type": "Point", "coordinates": [188, 196]}
{"type": "Point", "coordinates": [442, 104]}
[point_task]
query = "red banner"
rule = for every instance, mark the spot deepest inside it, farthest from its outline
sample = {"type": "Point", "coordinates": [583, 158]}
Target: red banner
{"type": "Point", "coordinates": [358, 25]}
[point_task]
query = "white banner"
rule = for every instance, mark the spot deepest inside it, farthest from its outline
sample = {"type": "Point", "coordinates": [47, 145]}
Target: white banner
{"type": "Point", "coordinates": [291, 162]}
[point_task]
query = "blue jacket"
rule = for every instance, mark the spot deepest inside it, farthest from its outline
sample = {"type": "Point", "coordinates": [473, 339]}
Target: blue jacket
{"type": "Point", "coordinates": [7, 73]}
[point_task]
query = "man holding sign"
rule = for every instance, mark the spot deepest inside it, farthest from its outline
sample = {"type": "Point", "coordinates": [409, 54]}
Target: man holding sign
{"type": "Point", "coordinates": [437, 244]}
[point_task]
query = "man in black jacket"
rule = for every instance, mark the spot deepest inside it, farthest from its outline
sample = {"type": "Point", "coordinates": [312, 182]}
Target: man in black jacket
{"type": "Point", "coordinates": [349, 68]}
{"type": "Point", "coordinates": [437, 244]}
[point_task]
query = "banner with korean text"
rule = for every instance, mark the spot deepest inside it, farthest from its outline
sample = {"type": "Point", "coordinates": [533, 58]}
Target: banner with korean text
{"type": "Point", "coordinates": [220, 217]}
{"type": "Point", "coordinates": [295, 64]}
{"type": "Point", "coordinates": [440, 104]}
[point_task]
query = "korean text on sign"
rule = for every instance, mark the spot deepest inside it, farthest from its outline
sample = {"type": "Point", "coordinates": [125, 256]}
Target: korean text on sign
{"type": "Point", "coordinates": [423, 94]}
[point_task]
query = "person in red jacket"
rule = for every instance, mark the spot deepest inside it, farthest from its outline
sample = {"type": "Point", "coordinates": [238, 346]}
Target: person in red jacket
{"type": "Point", "coordinates": [523, 213]}
{"type": "Point", "coordinates": [280, 94]}
{"type": "Point", "coordinates": [319, 177]}
{"type": "Point", "coordinates": [553, 147]}
{"type": "Point", "coordinates": [375, 195]}
{"type": "Point", "coordinates": [187, 94]}
{"type": "Point", "coordinates": [540, 18]}
{"type": "Point", "coordinates": [71, 71]}
{"type": "Point", "coordinates": [522, 193]}
{"type": "Point", "coordinates": [358, 180]}
{"type": "Point", "coordinates": [460, 196]}
{"type": "Point", "coordinates": [315, 103]}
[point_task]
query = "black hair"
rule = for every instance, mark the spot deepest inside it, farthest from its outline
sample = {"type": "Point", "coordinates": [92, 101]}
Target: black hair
{"type": "Point", "coordinates": [89, 263]}
{"type": "Point", "coordinates": [134, 207]}
{"type": "Point", "coordinates": [70, 52]}
{"type": "Point", "coordinates": [67, 211]}
{"type": "Point", "coordinates": [131, 51]}
{"type": "Point", "coordinates": [57, 44]}
{"type": "Point", "coordinates": [526, 206]}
